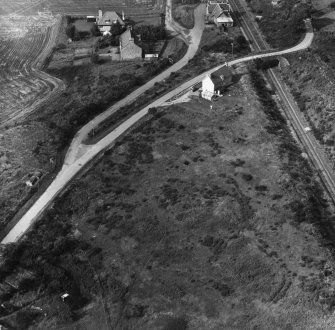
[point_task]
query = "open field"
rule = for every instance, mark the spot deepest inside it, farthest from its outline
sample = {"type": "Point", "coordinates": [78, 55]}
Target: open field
{"type": "Point", "coordinates": [199, 218]}
{"type": "Point", "coordinates": [23, 85]}
{"type": "Point", "coordinates": [83, 7]}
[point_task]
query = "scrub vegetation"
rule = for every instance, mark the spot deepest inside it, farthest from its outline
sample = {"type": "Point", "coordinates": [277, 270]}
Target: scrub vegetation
{"type": "Point", "coordinates": [198, 218]}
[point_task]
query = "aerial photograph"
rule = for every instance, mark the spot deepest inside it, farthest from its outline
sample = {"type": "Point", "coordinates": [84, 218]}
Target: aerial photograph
{"type": "Point", "coordinates": [167, 164]}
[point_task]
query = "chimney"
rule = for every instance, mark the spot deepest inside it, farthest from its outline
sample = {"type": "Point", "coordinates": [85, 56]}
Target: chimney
{"type": "Point", "coordinates": [100, 13]}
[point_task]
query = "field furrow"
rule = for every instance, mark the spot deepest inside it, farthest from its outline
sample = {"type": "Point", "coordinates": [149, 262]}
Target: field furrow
{"type": "Point", "coordinates": [23, 85]}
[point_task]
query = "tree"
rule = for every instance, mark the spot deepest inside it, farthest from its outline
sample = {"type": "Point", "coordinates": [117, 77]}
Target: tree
{"type": "Point", "coordinates": [116, 29]}
{"type": "Point", "coordinates": [95, 58]}
{"type": "Point", "coordinates": [242, 41]}
{"type": "Point", "coordinates": [95, 31]}
{"type": "Point", "coordinates": [70, 31]}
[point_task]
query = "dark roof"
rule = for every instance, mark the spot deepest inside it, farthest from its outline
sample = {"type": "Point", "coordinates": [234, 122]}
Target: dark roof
{"type": "Point", "coordinates": [211, 8]}
{"type": "Point", "coordinates": [222, 75]}
{"type": "Point", "coordinates": [224, 6]}
{"type": "Point", "coordinates": [109, 17]}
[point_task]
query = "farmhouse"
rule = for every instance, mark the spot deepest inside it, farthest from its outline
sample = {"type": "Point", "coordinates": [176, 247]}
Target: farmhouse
{"type": "Point", "coordinates": [128, 49]}
{"type": "Point", "coordinates": [216, 82]}
{"type": "Point", "coordinates": [219, 13]}
{"type": "Point", "coordinates": [106, 20]}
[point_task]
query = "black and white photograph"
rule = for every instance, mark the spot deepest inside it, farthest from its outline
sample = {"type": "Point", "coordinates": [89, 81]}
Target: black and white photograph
{"type": "Point", "coordinates": [167, 164]}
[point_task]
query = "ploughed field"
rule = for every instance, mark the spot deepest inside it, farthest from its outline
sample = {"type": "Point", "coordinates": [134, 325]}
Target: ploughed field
{"type": "Point", "coordinates": [28, 33]}
{"type": "Point", "coordinates": [85, 7]}
{"type": "Point", "coordinates": [22, 84]}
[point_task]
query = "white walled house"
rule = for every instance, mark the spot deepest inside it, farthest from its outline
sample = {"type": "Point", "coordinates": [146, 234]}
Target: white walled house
{"type": "Point", "coordinates": [215, 83]}
{"type": "Point", "coordinates": [106, 20]}
{"type": "Point", "coordinates": [218, 12]}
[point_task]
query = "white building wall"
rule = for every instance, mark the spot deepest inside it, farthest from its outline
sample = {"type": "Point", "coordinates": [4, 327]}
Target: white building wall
{"type": "Point", "coordinates": [207, 88]}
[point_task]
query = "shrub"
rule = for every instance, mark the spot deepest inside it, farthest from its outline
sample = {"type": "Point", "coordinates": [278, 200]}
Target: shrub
{"type": "Point", "coordinates": [261, 188]}
{"type": "Point", "coordinates": [247, 177]}
{"type": "Point", "coordinates": [70, 31]}
{"type": "Point", "coordinates": [152, 111]}
{"type": "Point", "coordinates": [266, 64]}
{"type": "Point", "coordinates": [24, 318]}
{"type": "Point", "coordinates": [224, 289]}
{"type": "Point", "coordinates": [175, 324]}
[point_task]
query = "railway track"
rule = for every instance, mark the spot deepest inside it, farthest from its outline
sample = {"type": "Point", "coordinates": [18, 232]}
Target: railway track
{"type": "Point", "coordinates": [290, 108]}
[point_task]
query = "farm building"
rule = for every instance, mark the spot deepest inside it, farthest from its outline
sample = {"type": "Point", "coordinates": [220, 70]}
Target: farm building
{"type": "Point", "coordinates": [106, 20]}
{"type": "Point", "coordinates": [216, 82]}
{"type": "Point", "coordinates": [128, 49]}
{"type": "Point", "coordinates": [219, 13]}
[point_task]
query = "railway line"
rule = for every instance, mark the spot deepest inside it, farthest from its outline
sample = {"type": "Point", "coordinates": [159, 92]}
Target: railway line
{"type": "Point", "coordinates": [290, 108]}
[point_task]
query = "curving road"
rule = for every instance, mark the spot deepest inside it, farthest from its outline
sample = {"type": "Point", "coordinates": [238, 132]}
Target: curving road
{"type": "Point", "coordinates": [191, 37]}
{"type": "Point", "coordinates": [76, 160]}
{"type": "Point", "coordinates": [296, 119]}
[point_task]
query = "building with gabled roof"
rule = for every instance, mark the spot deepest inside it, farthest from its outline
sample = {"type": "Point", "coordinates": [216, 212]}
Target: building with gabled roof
{"type": "Point", "coordinates": [128, 49]}
{"type": "Point", "coordinates": [214, 83]}
{"type": "Point", "coordinates": [218, 12]}
{"type": "Point", "coordinates": [224, 19]}
{"type": "Point", "coordinates": [106, 20]}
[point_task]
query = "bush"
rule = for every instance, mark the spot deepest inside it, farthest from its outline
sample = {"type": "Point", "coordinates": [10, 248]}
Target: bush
{"type": "Point", "coordinates": [152, 111]}
{"type": "Point", "coordinates": [247, 177]}
{"type": "Point", "coordinates": [261, 188]}
{"type": "Point", "coordinates": [70, 31]}
{"type": "Point", "coordinates": [175, 324]}
{"type": "Point", "coordinates": [266, 64]}
{"type": "Point", "coordinates": [25, 318]}
{"type": "Point", "coordinates": [95, 31]}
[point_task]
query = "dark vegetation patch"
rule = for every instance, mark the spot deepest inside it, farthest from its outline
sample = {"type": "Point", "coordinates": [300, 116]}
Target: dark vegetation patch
{"type": "Point", "coordinates": [224, 45]}
{"type": "Point", "coordinates": [312, 207]}
{"type": "Point", "coordinates": [282, 25]}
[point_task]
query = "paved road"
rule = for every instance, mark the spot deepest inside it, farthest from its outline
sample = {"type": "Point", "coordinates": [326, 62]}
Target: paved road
{"type": "Point", "coordinates": [192, 38]}
{"type": "Point", "coordinates": [69, 170]}
{"type": "Point", "coordinates": [296, 119]}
